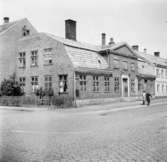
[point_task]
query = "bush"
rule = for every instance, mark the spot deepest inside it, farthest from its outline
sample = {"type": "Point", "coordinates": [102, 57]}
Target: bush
{"type": "Point", "coordinates": [10, 87]}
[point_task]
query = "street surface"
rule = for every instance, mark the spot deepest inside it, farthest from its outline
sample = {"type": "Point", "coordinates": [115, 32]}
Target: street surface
{"type": "Point", "coordinates": [89, 134]}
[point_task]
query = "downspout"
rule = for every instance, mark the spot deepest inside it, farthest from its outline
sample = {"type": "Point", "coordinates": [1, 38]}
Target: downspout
{"type": "Point", "coordinates": [74, 93]}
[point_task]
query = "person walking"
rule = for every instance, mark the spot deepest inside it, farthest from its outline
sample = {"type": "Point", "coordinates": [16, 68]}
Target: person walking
{"type": "Point", "coordinates": [148, 96]}
{"type": "Point", "coordinates": [144, 97]}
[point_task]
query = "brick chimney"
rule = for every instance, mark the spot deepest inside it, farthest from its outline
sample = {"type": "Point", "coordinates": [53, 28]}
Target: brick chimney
{"type": "Point", "coordinates": [6, 20]}
{"type": "Point", "coordinates": [135, 47]}
{"type": "Point", "coordinates": [103, 39]}
{"type": "Point", "coordinates": [70, 29]}
{"type": "Point", "coordinates": [157, 54]}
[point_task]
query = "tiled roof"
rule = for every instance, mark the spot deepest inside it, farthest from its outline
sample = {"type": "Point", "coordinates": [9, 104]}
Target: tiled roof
{"type": "Point", "coordinates": [153, 59]}
{"type": "Point", "coordinates": [82, 54]}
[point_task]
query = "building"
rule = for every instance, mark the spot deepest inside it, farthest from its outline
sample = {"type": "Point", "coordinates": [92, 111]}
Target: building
{"type": "Point", "coordinates": [77, 69]}
{"type": "Point", "coordinates": [146, 73]}
{"type": "Point", "coordinates": [10, 33]}
{"type": "Point", "coordinates": [160, 70]}
{"type": "Point", "coordinates": [71, 68]}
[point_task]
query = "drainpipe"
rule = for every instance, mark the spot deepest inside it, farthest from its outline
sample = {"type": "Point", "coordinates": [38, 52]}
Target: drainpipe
{"type": "Point", "coordinates": [74, 89]}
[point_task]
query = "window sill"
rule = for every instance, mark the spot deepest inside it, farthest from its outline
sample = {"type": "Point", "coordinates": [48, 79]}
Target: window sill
{"type": "Point", "coordinates": [34, 66]}
{"type": "Point", "coordinates": [48, 64]}
{"type": "Point", "coordinates": [22, 67]}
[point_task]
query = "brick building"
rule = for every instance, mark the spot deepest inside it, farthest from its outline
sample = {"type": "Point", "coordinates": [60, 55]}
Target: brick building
{"type": "Point", "coordinates": [10, 33]}
{"type": "Point", "coordinates": [146, 73]}
{"type": "Point", "coordinates": [71, 68]}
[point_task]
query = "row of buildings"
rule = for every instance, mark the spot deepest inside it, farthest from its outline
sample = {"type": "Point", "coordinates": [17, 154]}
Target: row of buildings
{"type": "Point", "coordinates": [75, 69]}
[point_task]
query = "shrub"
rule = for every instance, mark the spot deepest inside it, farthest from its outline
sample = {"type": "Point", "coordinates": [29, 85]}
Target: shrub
{"type": "Point", "coordinates": [10, 87]}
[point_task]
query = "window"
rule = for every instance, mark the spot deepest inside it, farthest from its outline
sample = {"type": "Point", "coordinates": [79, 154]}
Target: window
{"type": "Point", "coordinates": [95, 83]}
{"type": "Point", "coordinates": [22, 59]}
{"type": "Point", "coordinates": [162, 87]}
{"type": "Point", "coordinates": [116, 84]}
{"type": "Point", "coordinates": [158, 87]}
{"type": "Point", "coordinates": [125, 65]}
{"type": "Point", "coordinates": [62, 84]}
{"type": "Point", "coordinates": [162, 73]}
{"type": "Point", "coordinates": [132, 66]}
{"type": "Point", "coordinates": [116, 64]}
{"type": "Point", "coordinates": [132, 85]}
{"type": "Point", "coordinates": [22, 81]}
{"type": "Point", "coordinates": [25, 31]}
{"type": "Point", "coordinates": [157, 73]}
{"type": "Point", "coordinates": [106, 84]}
{"type": "Point", "coordinates": [34, 83]}
{"type": "Point", "coordinates": [166, 74]}
{"type": "Point", "coordinates": [34, 58]}
{"type": "Point", "coordinates": [82, 81]}
{"type": "Point", "coordinates": [48, 82]}
{"type": "Point", "coordinates": [48, 56]}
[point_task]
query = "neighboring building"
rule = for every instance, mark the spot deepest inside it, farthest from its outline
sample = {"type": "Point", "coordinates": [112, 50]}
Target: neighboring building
{"type": "Point", "coordinates": [146, 73]}
{"type": "Point", "coordinates": [10, 32]}
{"type": "Point", "coordinates": [160, 70]}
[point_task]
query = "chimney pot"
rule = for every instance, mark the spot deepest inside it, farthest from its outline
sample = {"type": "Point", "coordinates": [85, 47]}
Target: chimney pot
{"type": "Point", "coordinates": [70, 29]}
{"type": "Point", "coordinates": [6, 20]}
{"type": "Point", "coordinates": [157, 54]}
{"type": "Point", "coordinates": [111, 41]}
{"type": "Point", "coordinates": [103, 39]}
{"type": "Point", "coordinates": [135, 47]}
{"type": "Point", "coordinates": [145, 50]}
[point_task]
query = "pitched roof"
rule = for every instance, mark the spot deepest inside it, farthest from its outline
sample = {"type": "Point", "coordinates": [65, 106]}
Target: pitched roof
{"type": "Point", "coordinates": [82, 54]}
{"type": "Point", "coordinates": [6, 26]}
{"type": "Point", "coordinates": [153, 59]}
{"type": "Point", "coordinates": [75, 44]}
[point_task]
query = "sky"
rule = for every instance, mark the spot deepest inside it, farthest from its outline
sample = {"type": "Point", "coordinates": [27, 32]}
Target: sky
{"type": "Point", "coordinates": [137, 22]}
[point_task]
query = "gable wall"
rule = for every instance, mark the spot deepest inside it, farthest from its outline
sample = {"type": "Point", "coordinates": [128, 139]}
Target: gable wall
{"type": "Point", "coordinates": [8, 48]}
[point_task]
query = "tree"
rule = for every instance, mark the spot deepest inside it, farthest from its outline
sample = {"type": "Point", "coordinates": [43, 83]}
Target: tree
{"type": "Point", "coordinates": [11, 87]}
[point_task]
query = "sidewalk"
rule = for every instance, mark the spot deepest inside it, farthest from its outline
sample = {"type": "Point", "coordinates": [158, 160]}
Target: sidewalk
{"type": "Point", "coordinates": [116, 106]}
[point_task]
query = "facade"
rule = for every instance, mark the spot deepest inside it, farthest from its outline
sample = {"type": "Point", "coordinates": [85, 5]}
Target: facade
{"type": "Point", "coordinates": [146, 73]}
{"type": "Point", "coordinates": [69, 67]}
{"type": "Point", "coordinates": [10, 32]}
{"type": "Point", "coordinates": [160, 71]}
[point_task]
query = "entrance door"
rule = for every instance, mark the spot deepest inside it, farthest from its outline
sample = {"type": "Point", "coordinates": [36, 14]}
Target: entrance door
{"type": "Point", "coordinates": [125, 87]}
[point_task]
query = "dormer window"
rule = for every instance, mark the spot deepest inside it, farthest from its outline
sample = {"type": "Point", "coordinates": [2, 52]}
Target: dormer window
{"type": "Point", "coordinates": [25, 31]}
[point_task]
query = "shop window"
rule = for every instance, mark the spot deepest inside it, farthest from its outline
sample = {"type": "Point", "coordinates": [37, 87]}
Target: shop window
{"type": "Point", "coordinates": [63, 84]}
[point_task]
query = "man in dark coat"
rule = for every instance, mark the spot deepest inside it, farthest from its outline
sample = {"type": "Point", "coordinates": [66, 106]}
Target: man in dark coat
{"type": "Point", "coordinates": [148, 96]}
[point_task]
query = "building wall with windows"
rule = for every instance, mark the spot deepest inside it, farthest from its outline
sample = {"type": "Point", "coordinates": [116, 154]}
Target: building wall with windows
{"type": "Point", "coordinates": [10, 32]}
{"type": "Point", "coordinates": [46, 65]}
{"type": "Point", "coordinates": [161, 81]}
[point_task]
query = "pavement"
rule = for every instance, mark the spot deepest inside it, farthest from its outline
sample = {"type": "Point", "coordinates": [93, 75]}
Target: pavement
{"type": "Point", "coordinates": [124, 132]}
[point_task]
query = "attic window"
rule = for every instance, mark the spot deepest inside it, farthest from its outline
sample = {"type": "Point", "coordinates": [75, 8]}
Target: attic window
{"type": "Point", "coordinates": [25, 31]}
{"type": "Point", "coordinates": [99, 61]}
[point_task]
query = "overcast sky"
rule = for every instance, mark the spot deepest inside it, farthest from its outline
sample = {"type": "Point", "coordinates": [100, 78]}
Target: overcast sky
{"type": "Point", "coordinates": [142, 22]}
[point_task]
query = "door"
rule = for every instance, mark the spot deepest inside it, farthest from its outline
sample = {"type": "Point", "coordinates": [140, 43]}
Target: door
{"type": "Point", "coordinates": [125, 87]}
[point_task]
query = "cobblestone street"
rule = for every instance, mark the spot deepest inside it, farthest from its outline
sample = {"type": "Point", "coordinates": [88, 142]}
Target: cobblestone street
{"type": "Point", "coordinates": [134, 135]}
